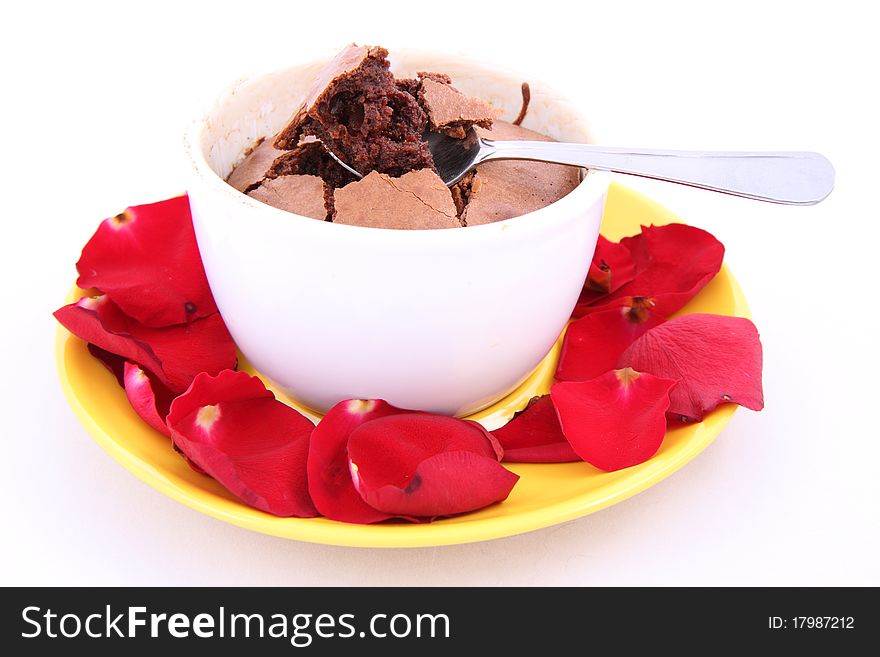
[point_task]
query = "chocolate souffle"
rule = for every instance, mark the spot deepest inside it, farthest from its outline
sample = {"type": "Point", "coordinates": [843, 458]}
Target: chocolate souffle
{"type": "Point", "coordinates": [376, 124]}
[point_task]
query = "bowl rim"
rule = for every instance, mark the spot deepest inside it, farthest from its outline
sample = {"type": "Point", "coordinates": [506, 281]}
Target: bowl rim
{"type": "Point", "coordinates": [590, 190]}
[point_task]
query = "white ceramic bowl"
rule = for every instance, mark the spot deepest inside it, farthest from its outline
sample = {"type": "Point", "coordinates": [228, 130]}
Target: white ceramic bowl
{"type": "Point", "coordinates": [442, 320]}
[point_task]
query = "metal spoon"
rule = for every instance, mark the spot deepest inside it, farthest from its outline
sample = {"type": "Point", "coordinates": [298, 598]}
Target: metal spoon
{"type": "Point", "coordinates": [792, 178]}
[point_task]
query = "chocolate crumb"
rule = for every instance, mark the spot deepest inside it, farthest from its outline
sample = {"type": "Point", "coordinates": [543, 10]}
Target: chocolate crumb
{"type": "Point", "coordinates": [329, 204]}
{"type": "Point", "coordinates": [409, 86]}
{"type": "Point", "coordinates": [442, 78]}
{"type": "Point", "coordinates": [414, 484]}
{"type": "Point", "coordinates": [534, 400]}
{"type": "Point", "coordinates": [526, 98]}
{"type": "Point", "coordinates": [461, 193]}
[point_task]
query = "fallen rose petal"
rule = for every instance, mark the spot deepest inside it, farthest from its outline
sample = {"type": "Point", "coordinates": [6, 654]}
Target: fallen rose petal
{"type": "Point", "coordinates": [232, 427]}
{"type": "Point", "coordinates": [612, 267]}
{"type": "Point", "coordinates": [534, 436]}
{"type": "Point", "coordinates": [330, 481]}
{"type": "Point", "coordinates": [147, 260]}
{"type": "Point", "coordinates": [593, 343]}
{"type": "Point", "coordinates": [427, 466]}
{"type": "Point", "coordinates": [716, 359]}
{"type": "Point", "coordinates": [175, 354]}
{"type": "Point", "coordinates": [616, 420]}
{"type": "Point", "coordinates": [149, 399]}
{"type": "Point", "coordinates": [99, 321]}
{"type": "Point", "coordinates": [672, 264]}
{"type": "Point", "coordinates": [443, 485]}
{"type": "Point", "coordinates": [184, 351]}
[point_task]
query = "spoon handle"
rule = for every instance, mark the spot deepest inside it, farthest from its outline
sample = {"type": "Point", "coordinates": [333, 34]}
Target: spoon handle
{"type": "Point", "coordinates": [792, 178]}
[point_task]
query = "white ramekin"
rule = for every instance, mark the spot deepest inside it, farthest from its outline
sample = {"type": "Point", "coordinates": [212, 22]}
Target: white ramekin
{"type": "Point", "coordinates": [440, 320]}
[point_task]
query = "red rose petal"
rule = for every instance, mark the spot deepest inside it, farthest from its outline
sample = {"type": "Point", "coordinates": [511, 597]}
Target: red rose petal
{"type": "Point", "coordinates": [232, 427]}
{"type": "Point", "coordinates": [534, 436]}
{"type": "Point", "coordinates": [175, 354]}
{"type": "Point", "coordinates": [99, 321]}
{"type": "Point", "coordinates": [672, 263]}
{"type": "Point", "coordinates": [612, 267]}
{"type": "Point", "coordinates": [427, 465]}
{"type": "Point", "coordinates": [147, 260]}
{"type": "Point", "coordinates": [593, 343]}
{"type": "Point", "coordinates": [445, 484]}
{"type": "Point", "coordinates": [186, 350]}
{"type": "Point", "coordinates": [330, 481]}
{"type": "Point", "coordinates": [716, 359]}
{"type": "Point", "coordinates": [150, 399]}
{"type": "Point", "coordinates": [616, 420]}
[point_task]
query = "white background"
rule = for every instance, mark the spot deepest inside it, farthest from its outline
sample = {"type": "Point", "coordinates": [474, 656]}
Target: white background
{"type": "Point", "coordinates": [95, 101]}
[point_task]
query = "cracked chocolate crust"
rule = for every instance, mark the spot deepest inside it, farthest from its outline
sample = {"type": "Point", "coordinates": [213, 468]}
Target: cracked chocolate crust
{"type": "Point", "coordinates": [301, 194]}
{"type": "Point", "coordinates": [251, 171]}
{"type": "Point", "coordinates": [416, 200]}
{"type": "Point", "coordinates": [450, 111]}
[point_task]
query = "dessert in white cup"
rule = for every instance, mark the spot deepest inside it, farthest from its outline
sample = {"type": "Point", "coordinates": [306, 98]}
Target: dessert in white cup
{"type": "Point", "coordinates": [448, 320]}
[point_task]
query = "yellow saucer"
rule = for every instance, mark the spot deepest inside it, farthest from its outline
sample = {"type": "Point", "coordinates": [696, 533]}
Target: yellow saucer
{"type": "Point", "coordinates": [546, 494]}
